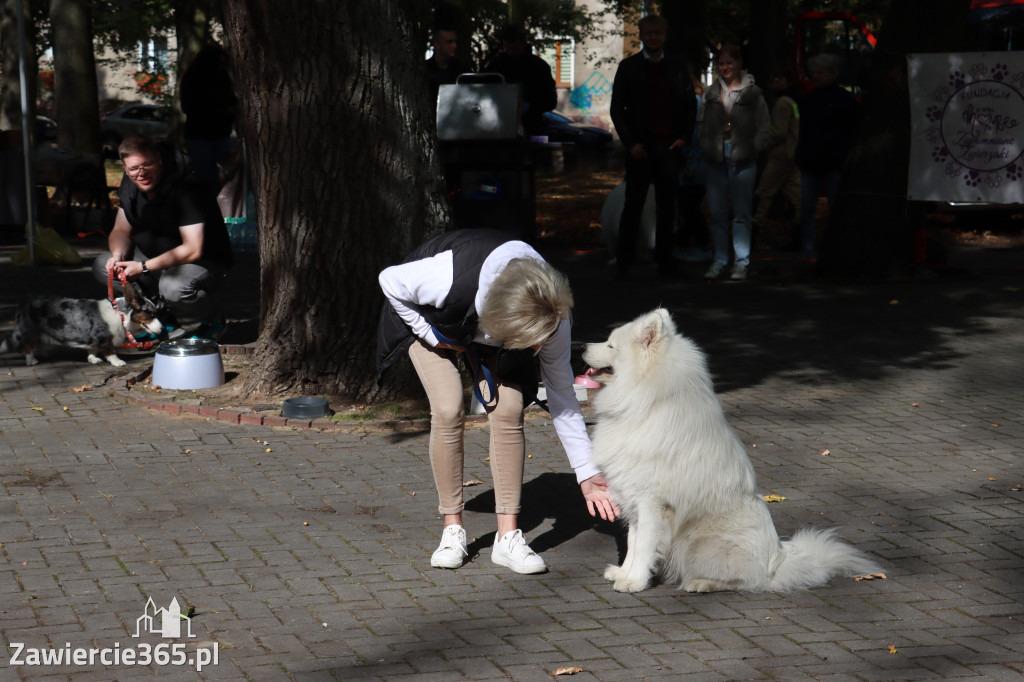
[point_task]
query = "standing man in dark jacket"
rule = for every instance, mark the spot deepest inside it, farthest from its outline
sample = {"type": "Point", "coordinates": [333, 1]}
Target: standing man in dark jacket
{"type": "Point", "coordinates": [518, 64]}
{"type": "Point", "coordinates": [654, 109]}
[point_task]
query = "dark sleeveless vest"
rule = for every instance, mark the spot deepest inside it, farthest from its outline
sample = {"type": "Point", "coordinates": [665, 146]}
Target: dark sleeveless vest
{"type": "Point", "coordinates": [457, 319]}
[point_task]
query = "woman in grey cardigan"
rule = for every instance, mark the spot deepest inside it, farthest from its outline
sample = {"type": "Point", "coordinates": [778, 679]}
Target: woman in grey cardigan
{"type": "Point", "coordinates": [735, 125]}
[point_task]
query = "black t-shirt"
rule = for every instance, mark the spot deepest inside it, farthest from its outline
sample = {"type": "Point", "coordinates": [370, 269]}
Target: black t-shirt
{"type": "Point", "coordinates": [181, 199]}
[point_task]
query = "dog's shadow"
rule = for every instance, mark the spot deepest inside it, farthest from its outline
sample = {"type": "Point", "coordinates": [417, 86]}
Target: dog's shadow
{"type": "Point", "coordinates": [549, 496]}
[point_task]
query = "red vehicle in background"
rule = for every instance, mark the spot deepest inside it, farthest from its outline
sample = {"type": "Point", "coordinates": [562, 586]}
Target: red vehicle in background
{"type": "Point", "coordinates": [992, 26]}
{"type": "Point", "coordinates": [838, 33]}
{"type": "Point", "coordinates": [995, 26]}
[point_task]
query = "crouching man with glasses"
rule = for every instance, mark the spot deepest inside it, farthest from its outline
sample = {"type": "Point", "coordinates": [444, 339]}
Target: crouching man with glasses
{"type": "Point", "coordinates": [170, 237]}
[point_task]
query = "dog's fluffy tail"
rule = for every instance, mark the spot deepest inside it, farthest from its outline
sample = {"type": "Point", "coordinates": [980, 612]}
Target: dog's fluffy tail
{"type": "Point", "coordinates": [814, 556]}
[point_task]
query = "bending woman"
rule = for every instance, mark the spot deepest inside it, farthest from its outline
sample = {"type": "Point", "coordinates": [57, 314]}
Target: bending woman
{"type": "Point", "coordinates": [478, 295]}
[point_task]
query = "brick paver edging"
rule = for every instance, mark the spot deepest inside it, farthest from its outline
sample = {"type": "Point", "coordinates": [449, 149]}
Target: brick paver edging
{"type": "Point", "coordinates": [239, 416]}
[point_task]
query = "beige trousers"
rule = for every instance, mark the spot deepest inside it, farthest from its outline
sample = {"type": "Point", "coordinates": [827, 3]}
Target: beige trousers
{"type": "Point", "coordinates": [778, 176]}
{"type": "Point", "coordinates": [441, 379]}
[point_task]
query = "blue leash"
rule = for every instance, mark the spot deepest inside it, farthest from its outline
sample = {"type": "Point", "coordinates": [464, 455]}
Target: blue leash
{"type": "Point", "coordinates": [480, 368]}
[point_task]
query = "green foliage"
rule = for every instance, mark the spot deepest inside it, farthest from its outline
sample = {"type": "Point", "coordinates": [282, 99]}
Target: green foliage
{"type": "Point", "coordinates": [478, 22]}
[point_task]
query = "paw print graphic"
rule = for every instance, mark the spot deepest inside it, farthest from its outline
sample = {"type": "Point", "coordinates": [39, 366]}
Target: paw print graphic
{"type": "Point", "coordinates": [993, 180]}
{"type": "Point", "coordinates": [978, 72]}
{"type": "Point", "coordinates": [971, 179]}
{"type": "Point", "coordinates": [1014, 172]}
{"type": "Point", "coordinates": [933, 113]}
{"type": "Point", "coordinates": [957, 79]}
{"type": "Point", "coordinates": [941, 94]}
{"type": "Point", "coordinates": [940, 154]}
{"type": "Point", "coordinates": [1018, 80]}
{"type": "Point", "coordinates": [953, 170]}
{"type": "Point", "coordinates": [1000, 71]}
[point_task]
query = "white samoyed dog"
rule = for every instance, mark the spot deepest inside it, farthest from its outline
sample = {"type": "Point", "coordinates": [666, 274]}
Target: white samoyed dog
{"type": "Point", "coordinates": [683, 479]}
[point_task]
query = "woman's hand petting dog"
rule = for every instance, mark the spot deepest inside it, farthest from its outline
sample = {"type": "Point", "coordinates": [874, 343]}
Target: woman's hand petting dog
{"type": "Point", "coordinates": [599, 500]}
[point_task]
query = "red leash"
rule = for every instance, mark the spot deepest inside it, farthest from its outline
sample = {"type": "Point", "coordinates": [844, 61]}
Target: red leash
{"type": "Point", "coordinates": [132, 343]}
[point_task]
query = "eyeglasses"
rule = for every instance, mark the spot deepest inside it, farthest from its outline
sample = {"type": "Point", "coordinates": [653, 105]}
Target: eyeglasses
{"type": "Point", "coordinates": [134, 172]}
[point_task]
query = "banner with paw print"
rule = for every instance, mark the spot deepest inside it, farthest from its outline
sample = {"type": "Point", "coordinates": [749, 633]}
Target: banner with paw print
{"type": "Point", "coordinates": [967, 127]}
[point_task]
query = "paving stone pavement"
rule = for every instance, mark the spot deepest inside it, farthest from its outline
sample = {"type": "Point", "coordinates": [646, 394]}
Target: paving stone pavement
{"type": "Point", "coordinates": [892, 410]}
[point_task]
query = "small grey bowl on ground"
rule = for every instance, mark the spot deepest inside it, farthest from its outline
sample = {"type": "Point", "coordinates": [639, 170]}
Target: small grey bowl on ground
{"type": "Point", "coordinates": [304, 408]}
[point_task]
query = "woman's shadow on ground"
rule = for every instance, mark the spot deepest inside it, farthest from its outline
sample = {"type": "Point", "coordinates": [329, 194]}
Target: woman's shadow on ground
{"type": "Point", "coordinates": [549, 496]}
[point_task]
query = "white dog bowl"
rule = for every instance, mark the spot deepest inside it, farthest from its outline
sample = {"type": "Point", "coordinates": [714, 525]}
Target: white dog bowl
{"type": "Point", "coordinates": [185, 364]}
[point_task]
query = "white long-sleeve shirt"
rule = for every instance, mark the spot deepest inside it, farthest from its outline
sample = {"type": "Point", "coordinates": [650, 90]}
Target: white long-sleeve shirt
{"type": "Point", "coordinates": [427, 282]}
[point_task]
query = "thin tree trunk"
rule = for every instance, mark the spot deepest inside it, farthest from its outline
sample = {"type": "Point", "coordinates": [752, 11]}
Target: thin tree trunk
{"type": "Point", "coordinates": [336, 122]}
{"type": "Point", "coordinates": [77, 94]}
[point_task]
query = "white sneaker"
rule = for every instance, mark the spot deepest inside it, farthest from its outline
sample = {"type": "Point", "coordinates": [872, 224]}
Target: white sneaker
{"type": "Point", "coordinates": [452, 551]}
{"type": "Point", "coordinates": [715, 271]}
{"type": "Point", "coordinates": [739, 272]}
{"type": "Point", "coordinates": [511, 551]}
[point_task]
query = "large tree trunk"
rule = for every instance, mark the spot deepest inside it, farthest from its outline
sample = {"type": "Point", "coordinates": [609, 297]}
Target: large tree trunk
{"type": "Point", "coordinates": [74, 65]}
{"type": "Point", "coordinates": [10, 79]}
{"type": "Point", "coordinates": [336, 122]}
{"type": "Point", "coordinates": [870, 231]}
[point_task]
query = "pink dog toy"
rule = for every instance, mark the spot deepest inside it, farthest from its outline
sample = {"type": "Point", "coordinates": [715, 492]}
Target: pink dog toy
{"type": "Point", "coordinates": [585, 380]}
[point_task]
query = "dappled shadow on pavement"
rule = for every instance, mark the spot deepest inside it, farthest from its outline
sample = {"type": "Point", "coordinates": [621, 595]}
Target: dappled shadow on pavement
{"type": "Point", "coordinates": [789, 323]}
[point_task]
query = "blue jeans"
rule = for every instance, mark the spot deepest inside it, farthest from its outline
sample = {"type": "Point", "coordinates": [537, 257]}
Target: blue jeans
{"type": "Point", "coordinates": [810, 185]}
{"type": "Point", "coordinates": [727, 180]}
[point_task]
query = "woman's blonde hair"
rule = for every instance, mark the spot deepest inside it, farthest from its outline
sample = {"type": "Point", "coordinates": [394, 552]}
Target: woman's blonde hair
{"type": "Point", "coordinates": [526, 303]}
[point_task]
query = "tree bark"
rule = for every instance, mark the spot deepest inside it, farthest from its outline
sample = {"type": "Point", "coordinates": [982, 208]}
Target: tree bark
{"type": "Point", "coordinates": [337, 127]}
{"type": "Point", "coordinates": [75, 86]}
{"type": "Point", "coordinates": [870, 231]}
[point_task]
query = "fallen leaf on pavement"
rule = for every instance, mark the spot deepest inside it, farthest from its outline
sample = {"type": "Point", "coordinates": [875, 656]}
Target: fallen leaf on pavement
{"type": "Point", "coordinates": [1017, 488]}
{"type": "Point", "coordinates": [38, 408]}
{"type": "Point", "coordinates": [85, 387]}
{"type": "Point", "coordinates": [466, 484]}
{"type": "Point", "coordinates": [871, 576]}
{"type": "Point", "coordinates": [567, 670]}
{"type": "Point", "coordinates": [892, 649]}
{"type": "Point", "coordinates": [824, 452]}
{"type": "Point", "coordinates": [774, 498]}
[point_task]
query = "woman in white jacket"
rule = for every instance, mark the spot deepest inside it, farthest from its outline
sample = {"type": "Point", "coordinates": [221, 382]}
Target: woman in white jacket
{"type": "Point", "coordinates": [735, 125]}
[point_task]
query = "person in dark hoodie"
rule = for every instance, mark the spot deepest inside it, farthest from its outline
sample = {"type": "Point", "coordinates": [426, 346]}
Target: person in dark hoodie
{"type": "Point", "coordinates": [210, 106]}
{"type": "Point", "coordinates": [828, 116]}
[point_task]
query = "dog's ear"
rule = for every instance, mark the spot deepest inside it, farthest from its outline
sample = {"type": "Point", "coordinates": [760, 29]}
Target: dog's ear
{"type": "Point", "coordinates": [132, 296]}
{"type": "Point", "coordinates": [653, 329]}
